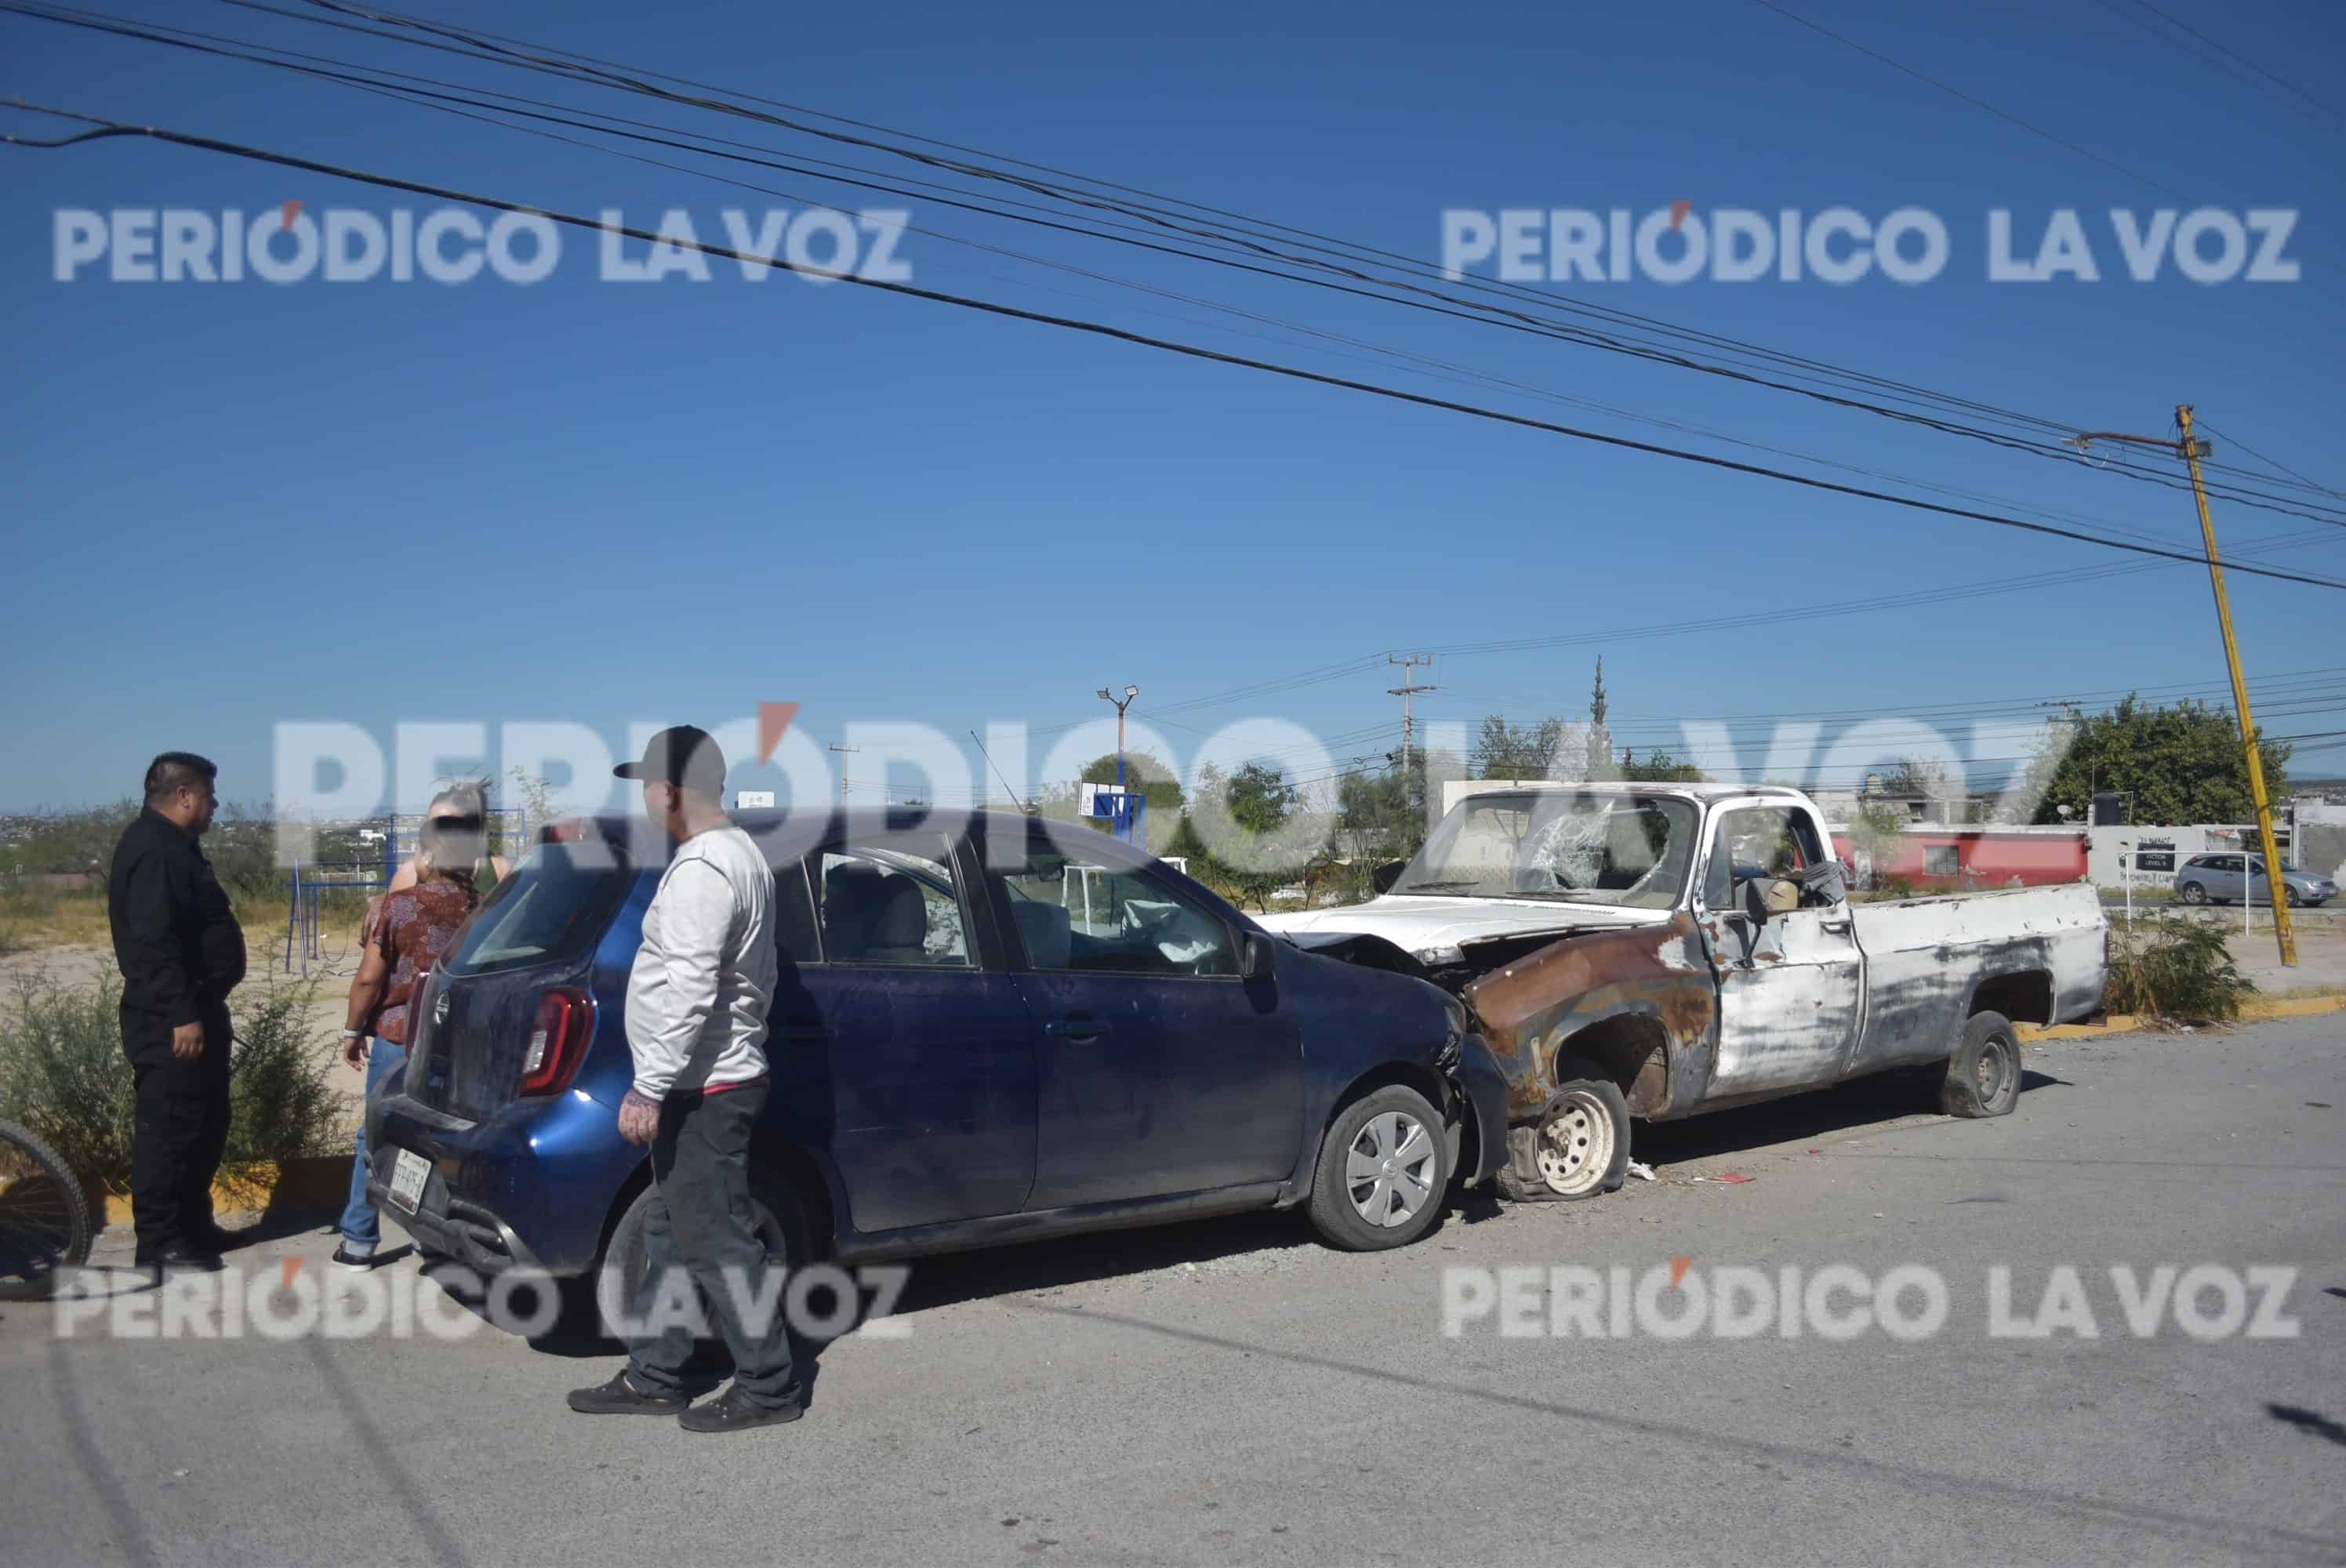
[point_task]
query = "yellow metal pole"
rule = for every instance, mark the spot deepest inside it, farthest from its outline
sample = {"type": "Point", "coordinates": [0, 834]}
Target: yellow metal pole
{"type": "Point", "coordinates": [2273, 868]}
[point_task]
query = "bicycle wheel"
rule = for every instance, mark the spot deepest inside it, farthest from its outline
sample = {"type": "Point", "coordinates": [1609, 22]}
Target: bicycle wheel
{"type": "Point", "coordinates": [43, 1216]}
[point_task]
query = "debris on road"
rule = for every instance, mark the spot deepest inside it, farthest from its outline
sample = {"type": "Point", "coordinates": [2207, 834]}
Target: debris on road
{"type": "Point", "coordinates": [1732, 1178]}
{"type": "Point", "coordinates": [1642, 1171]}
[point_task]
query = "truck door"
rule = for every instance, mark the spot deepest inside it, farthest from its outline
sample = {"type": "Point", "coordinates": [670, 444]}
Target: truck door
{"type": "Point", "coordinates": [1791, 989]}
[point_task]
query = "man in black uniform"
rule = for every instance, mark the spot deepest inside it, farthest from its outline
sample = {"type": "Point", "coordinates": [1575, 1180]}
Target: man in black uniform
{"type": "Point", "coordinates": [182, 952]}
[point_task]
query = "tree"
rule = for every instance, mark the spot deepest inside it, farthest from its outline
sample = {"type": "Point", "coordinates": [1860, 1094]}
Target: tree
{"type": "Point", "coordinates": [1921, 776]}
{"type": "Point", "coordinates": [1598, 745]}
{"type": "Point", "coordinates": [1502, 750]}
{"type": "Point", "coordinates": [1382, 815]}
{"type": "Point", "coordinates": [2176, 764]}
{"type": "Point", "coordinates": [1257, 799]}
{"type": "Point", "coordinates": [1659, 767]}
{"type": "Point", "coordinates": [1876, 831]}
{"type": "Point", "coordinates": [1157, 782]}
{"type": "Point", "coordinates": [1261, 798]}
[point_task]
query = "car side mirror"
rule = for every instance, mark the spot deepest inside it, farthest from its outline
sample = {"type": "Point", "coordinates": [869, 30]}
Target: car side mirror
{"type": "Point", "coordinates": [1383, 877]}
{"type": "Point", "coordinates": [1755, 902]}
{"type": "Point", "coordinates": [1254, 957]}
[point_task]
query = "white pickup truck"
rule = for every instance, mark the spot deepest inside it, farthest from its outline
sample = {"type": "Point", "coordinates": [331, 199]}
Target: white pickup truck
{"type": "Point", "coordinates": [1657, 950]}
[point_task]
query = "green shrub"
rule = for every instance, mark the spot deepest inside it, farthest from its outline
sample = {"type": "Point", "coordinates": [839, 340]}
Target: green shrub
{"type": "Point", "coordinates": [283, 1103]}
{"type": "Point", "coordinates": [63, 1076]}
{"type": "Point", "coordinates": [2175, 969]}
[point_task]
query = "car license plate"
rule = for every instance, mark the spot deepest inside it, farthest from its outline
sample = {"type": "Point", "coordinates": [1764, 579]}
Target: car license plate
{"type": "Point", "coordinates": [408, 1173]}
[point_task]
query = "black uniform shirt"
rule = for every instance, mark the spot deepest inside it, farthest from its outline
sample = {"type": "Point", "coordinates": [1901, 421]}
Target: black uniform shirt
{"type": "Point", "coordinates": [175, 936]}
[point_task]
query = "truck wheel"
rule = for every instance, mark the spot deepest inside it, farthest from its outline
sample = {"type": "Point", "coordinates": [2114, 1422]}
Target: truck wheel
{"type": "Point", "coordinates": [1383, 1168]}
{"type": "Point", "coordinates": [1581, 1148]}
{"type": "Point", "coordinates": [1983, 1075]}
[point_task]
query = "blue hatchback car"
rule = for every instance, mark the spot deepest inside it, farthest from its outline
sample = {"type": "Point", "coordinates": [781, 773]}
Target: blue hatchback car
{"type": "Point", "coordinates": [1002, 1031]}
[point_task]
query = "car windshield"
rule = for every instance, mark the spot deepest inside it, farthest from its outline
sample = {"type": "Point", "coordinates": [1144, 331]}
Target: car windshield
{"type": "Point", "coordinates": [1578, 846]}
{"type": "Point", "coordinates": [554, 905]}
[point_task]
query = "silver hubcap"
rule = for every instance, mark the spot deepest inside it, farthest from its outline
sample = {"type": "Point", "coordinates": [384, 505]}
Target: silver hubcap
{"type": "Point", "coordinates": [1390, 1169]}
{"type": "Point", "coordinates": [1575, 1146]}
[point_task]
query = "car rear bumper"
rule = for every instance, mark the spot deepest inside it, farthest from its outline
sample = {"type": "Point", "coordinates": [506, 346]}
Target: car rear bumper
{"type": "Point", "coordinates": [529, 1188]}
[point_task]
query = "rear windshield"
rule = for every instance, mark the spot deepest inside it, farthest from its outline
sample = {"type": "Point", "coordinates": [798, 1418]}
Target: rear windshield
{"type": "Point", "coordinates": [554, 906]}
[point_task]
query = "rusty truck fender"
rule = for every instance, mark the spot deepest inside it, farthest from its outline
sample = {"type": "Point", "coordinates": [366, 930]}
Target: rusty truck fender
{"type": "Point", "coordinates": [1640, 1002]}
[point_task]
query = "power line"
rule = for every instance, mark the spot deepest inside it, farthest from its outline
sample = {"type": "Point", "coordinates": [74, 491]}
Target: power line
{"type": "Point", "coordinates": [570, 65]}
{"type": "Point", "coordinates": [1980, 104]}
{"type": "Point", "coordinates": [2282, 82]}
{"type": "Point", "coordinates": [104, 128]}
{"type": "Point", "coordinates": [2261, 457]}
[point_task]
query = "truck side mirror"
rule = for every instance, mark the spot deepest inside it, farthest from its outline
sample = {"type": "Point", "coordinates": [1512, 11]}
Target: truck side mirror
{"type": "Point", "coordinates": [1383, 877]}
{"type": "Point", "coordinates": [1755, 902]}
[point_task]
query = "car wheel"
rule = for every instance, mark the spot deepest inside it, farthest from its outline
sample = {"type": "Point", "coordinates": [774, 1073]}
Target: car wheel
{"type": "Point", "coordinates": [1982, 1077]}
{"type": "Point", "coordinates": [2289, 894]}
{"type": "Point", "coordinates": [1581, 1148]}
{"type": "Point", "coordinates": [2193, 893]}
{"type": "Point", "coordinates": [1383, 1168]}
{"type": "Point", "coordinates": [776, 1213]}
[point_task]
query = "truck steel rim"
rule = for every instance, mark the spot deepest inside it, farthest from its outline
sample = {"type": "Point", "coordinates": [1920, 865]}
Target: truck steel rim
{"type": "Point", "coordinates": [1576, 1146]}
{"type": "Point", "coordinates": [1993, 1071]}
{"type": "Point", "coordinates": [1389, 1170]}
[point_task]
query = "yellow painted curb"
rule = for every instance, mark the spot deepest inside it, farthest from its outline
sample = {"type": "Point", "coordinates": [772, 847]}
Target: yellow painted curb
{"type": "Point", "coordinates": [263, 1186]}
{"type": "Point", "coordinates": [2295, 1007]}
{"type": "Point", "coordinates": [2116, 1023]}
{"type": "Point", "coordinates": [2127, 1022]}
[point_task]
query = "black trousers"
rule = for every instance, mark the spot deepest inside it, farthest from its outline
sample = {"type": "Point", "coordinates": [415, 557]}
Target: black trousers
{"type": "Point", "coordinates": [699, 1224]}
{"type": "Point", "coordinates": [180, 1128]}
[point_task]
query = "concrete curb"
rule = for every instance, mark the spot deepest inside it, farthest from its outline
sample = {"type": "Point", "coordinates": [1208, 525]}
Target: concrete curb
{"type": "Point", "coordinates": [2128, 1022]}
{"type": "Point", "coordinates": [264, 1187]}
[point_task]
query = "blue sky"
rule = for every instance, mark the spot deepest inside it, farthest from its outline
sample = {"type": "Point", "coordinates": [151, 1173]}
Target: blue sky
{"type": "Point", "coordinates": [239, 504]}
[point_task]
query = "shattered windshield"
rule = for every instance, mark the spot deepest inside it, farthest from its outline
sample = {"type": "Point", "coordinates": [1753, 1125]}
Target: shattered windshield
{"type": "Point", "coordinates": [1632, 851]}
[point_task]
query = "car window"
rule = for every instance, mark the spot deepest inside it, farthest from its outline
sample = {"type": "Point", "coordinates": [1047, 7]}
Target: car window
{"type": "Point", "coordinates": [553, 905]}
{"type": "Point", "coordinates": [890, 898]}
{"type": "Point", "coordinates": [1758, 842]}
{"type": "Point", "coordinates": [1075, 916]}
{"type": "Point", "coordinates": [1597, 846]}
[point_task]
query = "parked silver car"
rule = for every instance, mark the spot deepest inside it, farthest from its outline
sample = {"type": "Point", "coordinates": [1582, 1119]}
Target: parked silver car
{"type": "Point", "coordinates": [2222, 879]}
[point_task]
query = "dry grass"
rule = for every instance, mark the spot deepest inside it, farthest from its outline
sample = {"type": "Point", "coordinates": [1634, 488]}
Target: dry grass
{"type": "Point", "coordinates": [37, 919]}
{"type": "Point", "coordinates": [49, 920]}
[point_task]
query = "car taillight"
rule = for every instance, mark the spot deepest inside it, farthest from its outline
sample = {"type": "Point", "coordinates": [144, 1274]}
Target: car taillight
{"type": "Point", "coordinates": [557, 1041]}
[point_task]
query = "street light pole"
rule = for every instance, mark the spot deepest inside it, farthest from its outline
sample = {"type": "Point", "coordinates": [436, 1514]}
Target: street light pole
{"type": "Point", "coordinates": [1129, 692]}
{"type": "Point", "coordinates": [1123, 805]}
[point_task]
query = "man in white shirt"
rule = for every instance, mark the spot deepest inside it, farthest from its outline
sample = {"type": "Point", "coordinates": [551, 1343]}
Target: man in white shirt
{"type": "Point", "coordinates": [697, 1002]}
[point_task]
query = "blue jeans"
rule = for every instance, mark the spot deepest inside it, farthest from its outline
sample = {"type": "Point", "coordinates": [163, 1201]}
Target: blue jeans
{"type": "Point", "coordinates": [362, 1224]}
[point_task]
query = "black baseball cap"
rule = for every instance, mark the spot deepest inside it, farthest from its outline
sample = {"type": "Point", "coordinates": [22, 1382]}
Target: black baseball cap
{"type": "Point", "coordinates": [685, 755]}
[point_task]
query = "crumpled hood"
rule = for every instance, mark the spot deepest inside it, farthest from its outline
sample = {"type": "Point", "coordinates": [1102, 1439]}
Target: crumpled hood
{"type": "Point", "coordinates": [1417, 924]}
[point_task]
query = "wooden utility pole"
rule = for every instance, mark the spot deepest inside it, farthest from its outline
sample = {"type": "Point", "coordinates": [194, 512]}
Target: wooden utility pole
{"type": "Point", "coordinates": [2192, 449]}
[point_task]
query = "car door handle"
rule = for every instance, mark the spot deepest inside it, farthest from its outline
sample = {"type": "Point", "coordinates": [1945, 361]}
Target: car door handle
{"type": "Point", "coordinates": [1838, 927]}
{"type": "Point", "coordinates": [1079, 1030]}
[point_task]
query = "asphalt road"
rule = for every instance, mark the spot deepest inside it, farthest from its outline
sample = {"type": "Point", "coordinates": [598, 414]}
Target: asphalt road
{"type": "Point", "coordinates": [1228, 1392]}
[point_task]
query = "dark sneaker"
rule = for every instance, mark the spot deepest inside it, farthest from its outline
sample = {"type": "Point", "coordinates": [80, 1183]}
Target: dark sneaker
{"type": "Point", "coordinates": [621, 1398]}
{"type": "Point", "coordinates": [212, 1238]}
{"type": "Point", "coordinates": [359, 1261]}
{"type": "Point", "coordinates": [735, 1411]}
{"type": "Point", "coordinates": [180, 1258]}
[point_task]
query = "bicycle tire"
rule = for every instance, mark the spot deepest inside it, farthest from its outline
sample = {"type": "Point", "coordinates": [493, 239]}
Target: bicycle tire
{"type": "Point", "coordinates": [45, 1223]}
